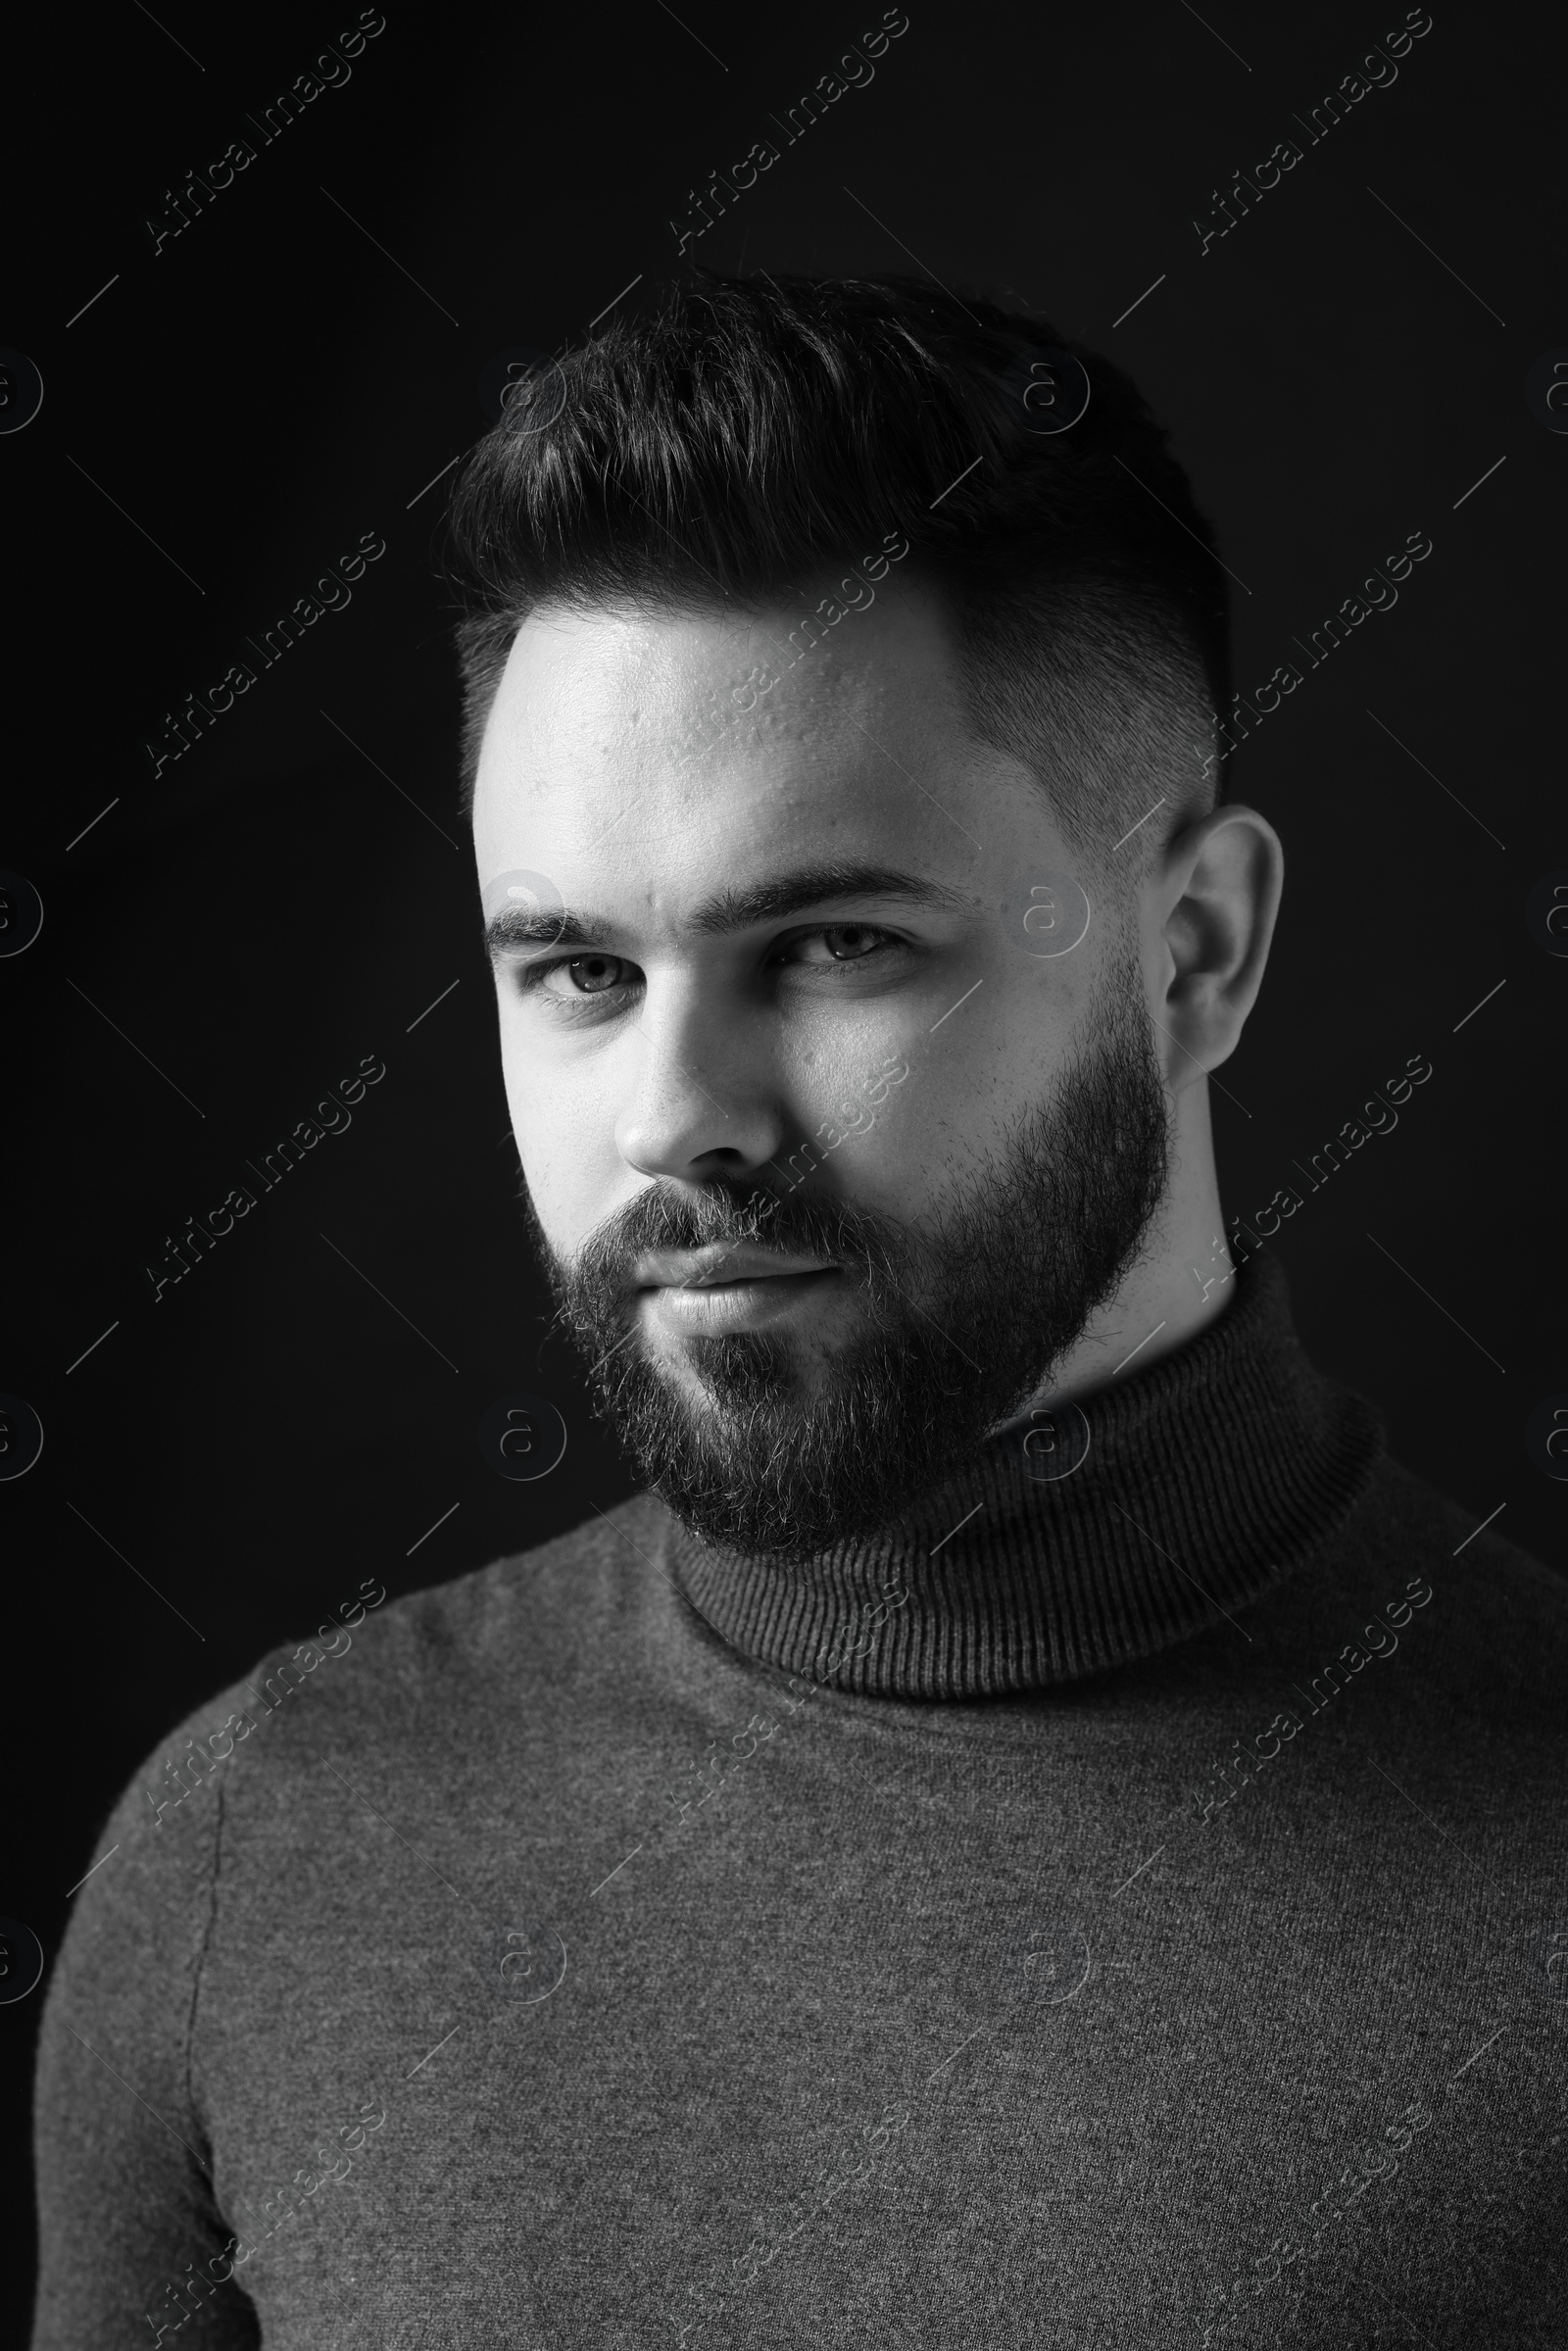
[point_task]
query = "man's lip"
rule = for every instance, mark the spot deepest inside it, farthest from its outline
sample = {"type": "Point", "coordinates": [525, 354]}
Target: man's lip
{"type": "Point", "coordinates": [720, 1261]}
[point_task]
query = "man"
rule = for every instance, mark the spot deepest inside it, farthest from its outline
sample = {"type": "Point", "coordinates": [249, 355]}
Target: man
{"type": "Point", "coordinates": [1033, 1831]}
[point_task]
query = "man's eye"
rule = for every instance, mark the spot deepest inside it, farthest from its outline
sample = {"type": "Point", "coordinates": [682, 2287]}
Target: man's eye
{"type": "Point", "coordinates": [845, 943]}
{"type": "Point", "coordinates": [849, 940]}
{"type": "Point", "coordinates": [586, 975]}
{"type": "Point", "coordinates": [592, 975]}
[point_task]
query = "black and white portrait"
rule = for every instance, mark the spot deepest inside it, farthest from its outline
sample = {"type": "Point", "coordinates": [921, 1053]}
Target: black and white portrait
{"type": "Point", "coordinates": [785, 922]}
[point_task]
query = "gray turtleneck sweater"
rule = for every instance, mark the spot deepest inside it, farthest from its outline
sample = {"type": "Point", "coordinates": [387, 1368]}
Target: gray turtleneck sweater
{"type": "Point", "coordinates": [1113, 1909]}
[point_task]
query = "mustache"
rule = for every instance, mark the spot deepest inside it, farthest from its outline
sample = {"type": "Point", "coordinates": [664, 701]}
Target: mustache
{"type": "Point", "coordinates": [732, 1209]}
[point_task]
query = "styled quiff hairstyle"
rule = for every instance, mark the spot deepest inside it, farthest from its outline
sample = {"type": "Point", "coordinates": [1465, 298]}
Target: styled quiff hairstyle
{"type": "Point", "coordinates": [738, 444]}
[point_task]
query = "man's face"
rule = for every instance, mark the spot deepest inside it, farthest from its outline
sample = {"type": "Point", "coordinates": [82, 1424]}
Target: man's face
{"type": "Point", "coordinates": [828, 1169]}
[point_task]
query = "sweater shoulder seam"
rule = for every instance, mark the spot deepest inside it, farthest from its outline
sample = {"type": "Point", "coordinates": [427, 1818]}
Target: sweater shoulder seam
{"type": "Point", "coordinates": [204, 1945]}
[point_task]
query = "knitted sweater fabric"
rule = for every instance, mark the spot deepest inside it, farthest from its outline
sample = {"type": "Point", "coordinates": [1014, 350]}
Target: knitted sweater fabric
{"type": "Point", "coordinates": [1122, 1904]}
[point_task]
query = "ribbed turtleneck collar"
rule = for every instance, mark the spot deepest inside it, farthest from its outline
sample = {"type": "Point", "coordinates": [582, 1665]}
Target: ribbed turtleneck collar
{"type": "Point", "coordinates": [1208, 1478]}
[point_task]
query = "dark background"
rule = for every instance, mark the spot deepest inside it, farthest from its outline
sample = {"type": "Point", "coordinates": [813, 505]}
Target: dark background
{"type": "Point", "coordinates": [231, 1462]}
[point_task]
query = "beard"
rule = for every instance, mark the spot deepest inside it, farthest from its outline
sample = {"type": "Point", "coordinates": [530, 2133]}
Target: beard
{"type": "Point", "coordinates": [962, 1318]}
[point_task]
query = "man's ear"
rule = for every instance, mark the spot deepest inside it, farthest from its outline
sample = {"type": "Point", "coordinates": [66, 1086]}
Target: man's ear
{"type": "Point", "coordinates": [1214, 896]}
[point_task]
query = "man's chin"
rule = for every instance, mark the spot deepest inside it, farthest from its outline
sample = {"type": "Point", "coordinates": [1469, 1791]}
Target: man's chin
{"type": "Point", "coordinates": [765, 1447]}
{"type": "Point", "coordinates": [739, 1372]}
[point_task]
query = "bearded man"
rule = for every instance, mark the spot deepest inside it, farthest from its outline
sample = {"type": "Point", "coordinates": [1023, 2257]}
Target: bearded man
{"type": "Point", "coordinates": [1031, 1829]}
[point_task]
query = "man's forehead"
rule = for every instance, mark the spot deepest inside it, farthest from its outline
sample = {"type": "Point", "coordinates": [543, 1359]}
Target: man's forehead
{"type": "Point", "coordinates": [672, 751]}
{"type": "Point", "coordinates": [646, 676]}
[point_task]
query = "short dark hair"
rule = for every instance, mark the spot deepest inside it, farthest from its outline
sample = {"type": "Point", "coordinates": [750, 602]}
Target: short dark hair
{"type": "Point", "coordinates": [747, 435]}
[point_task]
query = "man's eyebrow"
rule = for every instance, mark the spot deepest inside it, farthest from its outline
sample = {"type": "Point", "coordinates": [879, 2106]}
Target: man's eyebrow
{"type": "Point", "coordinates": [772, 901]}
{"type": "Point", "coordinates": [527, 926]}
{"type": "Point", "coordinates": [816, 886]}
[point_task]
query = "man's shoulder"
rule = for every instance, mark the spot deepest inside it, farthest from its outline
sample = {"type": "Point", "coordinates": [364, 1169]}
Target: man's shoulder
{"type": "Point", "coordinates": [1494, 1615]}
{"type": "Point", "coordinates": [552, 1609]}
{"type": "Point", "coordinates": [549, 1612]}
{"type": "Point", "coordinates": [494, 1646]}
{"type": "Point", "coordinates": [1410, 1518]}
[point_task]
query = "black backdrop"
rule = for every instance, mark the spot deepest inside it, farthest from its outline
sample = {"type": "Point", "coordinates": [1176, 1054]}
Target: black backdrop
{"type": "Point", "coordinates": [233, 410]}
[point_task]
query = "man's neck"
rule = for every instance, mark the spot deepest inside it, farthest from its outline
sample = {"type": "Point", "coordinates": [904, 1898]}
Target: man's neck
{"type": "Point", "coordinates": [1182, 1281]}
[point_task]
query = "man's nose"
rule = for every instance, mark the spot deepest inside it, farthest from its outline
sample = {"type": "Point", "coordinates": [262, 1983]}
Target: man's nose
{"type": "Point", "coordinates": [700, 1103]}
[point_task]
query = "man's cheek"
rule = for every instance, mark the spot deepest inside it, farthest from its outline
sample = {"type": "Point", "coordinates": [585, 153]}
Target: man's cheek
{"type": "Point", "coordinates": [910, 1159]}
{"type": "Point", "coordinates": [559, 1209]}
{"type": "Point", "coordinates": [572, 1171]}
{"type": "Point", "coordinates": [530, 1139]}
